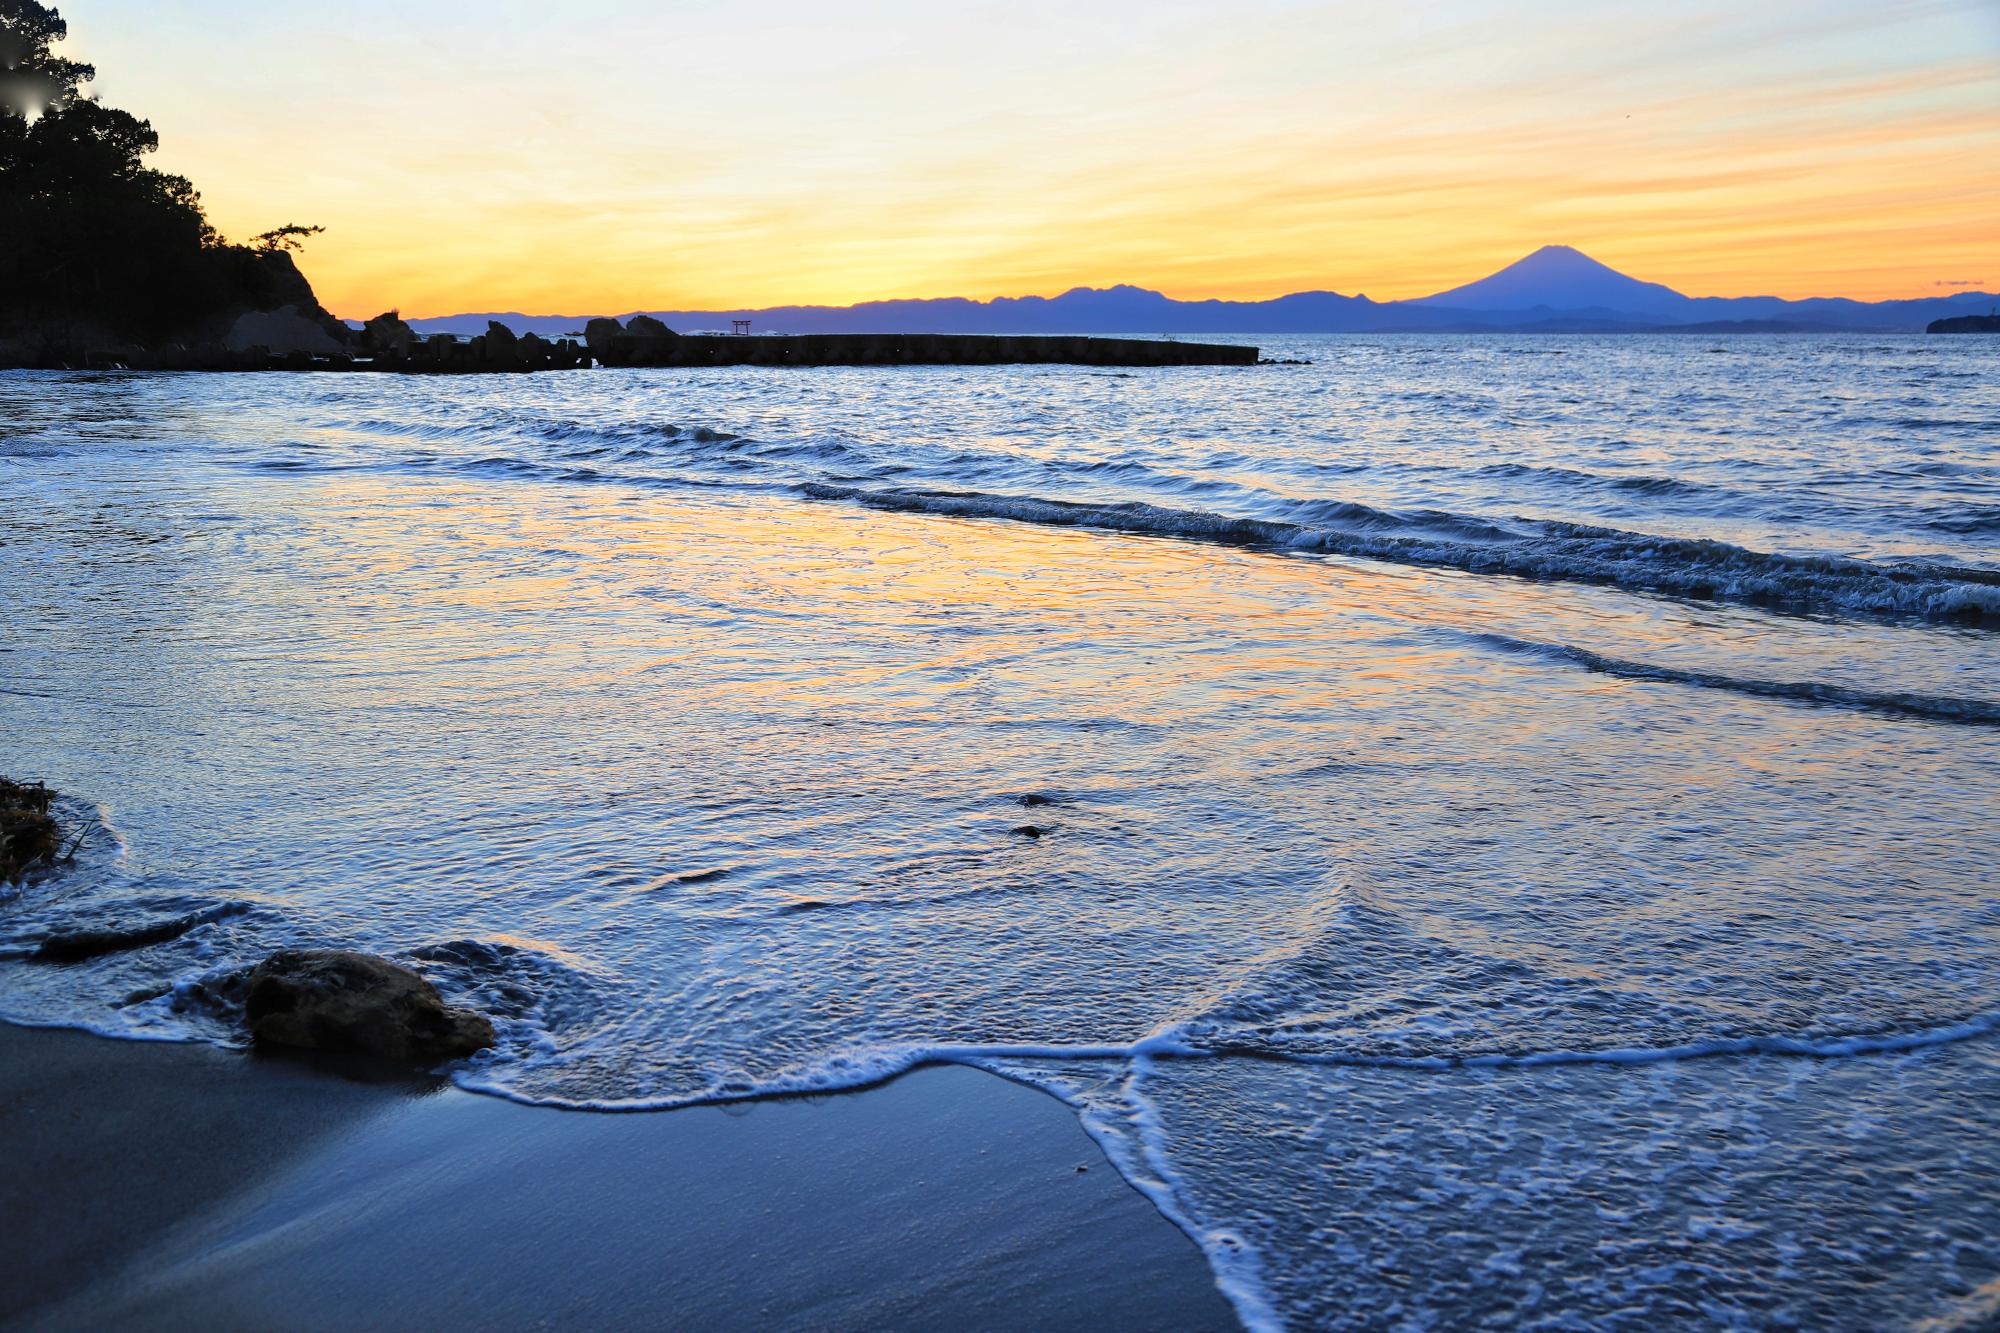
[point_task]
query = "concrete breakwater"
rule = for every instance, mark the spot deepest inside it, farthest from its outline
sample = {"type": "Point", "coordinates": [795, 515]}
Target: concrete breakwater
{"type": "Point", "coordinates": [286, 340]}
{"type": "Point", "coordinates": [903, 349]}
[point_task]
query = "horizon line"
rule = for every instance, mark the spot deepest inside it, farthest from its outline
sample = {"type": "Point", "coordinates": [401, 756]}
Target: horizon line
{"type": "Point", "coordinates": [1942, 293]}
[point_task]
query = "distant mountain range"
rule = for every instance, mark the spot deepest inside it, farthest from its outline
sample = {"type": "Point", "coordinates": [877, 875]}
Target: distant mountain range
{"type": "Point", "coordinates": [1556, 289]}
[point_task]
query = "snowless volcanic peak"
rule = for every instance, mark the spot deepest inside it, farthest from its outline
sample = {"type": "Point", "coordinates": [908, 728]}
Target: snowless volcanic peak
{"type": "Point", "coordinates": [1561, 278]}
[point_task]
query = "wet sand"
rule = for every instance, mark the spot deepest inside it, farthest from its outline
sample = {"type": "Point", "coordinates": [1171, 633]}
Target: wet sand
{"type": "Point", "coordinates": [171, 1186]}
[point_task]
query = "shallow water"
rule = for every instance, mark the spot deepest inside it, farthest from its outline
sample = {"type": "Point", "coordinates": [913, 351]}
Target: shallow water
{"type": "Point", "coordinates": [1517, 814]}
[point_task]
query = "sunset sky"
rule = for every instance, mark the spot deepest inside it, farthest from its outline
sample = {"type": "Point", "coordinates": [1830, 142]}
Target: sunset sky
{"type": "Point", "coordinates": [619, 155]}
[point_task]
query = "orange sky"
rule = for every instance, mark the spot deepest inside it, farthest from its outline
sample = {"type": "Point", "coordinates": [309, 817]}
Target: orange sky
{"type": "Point", "coordinates": [509, 155]}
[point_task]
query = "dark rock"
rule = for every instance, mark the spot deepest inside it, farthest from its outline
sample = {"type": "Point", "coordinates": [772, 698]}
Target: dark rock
{"type": "Point", "coordinates": [598, 333]}
{"type": "Point", "coordinates": [501, 347]}
{"type": "Point", "coordinates": [338, 1000]}
{"type": "Point", "coordinates": [1034, 798]}
{"type": "Point", "coordinates": [28, 832]}
{"type": "Point", "coordinates": [1027, 831]}
{"type": "Point", "coordinates": [388, 335]}
{"type": "Point", "coordinates": [645, 326]}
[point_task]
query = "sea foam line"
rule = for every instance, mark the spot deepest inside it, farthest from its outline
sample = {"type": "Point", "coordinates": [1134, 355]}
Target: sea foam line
{"type": "Point", "coordinates": [848, 1071]}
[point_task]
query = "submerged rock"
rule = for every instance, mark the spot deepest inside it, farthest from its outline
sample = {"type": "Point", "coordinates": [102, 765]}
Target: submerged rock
{"type": "Point", "coordinates": [74, 946]}
{"type": "Point", "coordinates": [645, 326]}
{"type": "Point", "coordinates": [338, 1000]}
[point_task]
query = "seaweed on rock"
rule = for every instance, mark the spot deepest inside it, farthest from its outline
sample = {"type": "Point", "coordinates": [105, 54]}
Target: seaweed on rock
{"type": "Point", "coordinates": [29, 835]}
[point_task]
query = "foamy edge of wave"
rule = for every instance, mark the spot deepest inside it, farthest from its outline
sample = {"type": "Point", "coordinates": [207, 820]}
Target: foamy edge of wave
{"type": "Point", "coordinates": [848, 1071]}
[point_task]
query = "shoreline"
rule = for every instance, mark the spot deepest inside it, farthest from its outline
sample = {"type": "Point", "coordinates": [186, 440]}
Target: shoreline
{"type": "Point", "coordinates": [166, 1184]}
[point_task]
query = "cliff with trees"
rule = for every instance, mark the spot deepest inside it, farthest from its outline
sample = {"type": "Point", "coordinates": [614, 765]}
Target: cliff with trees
{"type": "Point", "coordinates": [101, 256]}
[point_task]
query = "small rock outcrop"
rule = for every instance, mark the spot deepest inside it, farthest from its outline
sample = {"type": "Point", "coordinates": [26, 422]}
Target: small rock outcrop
{"type": "Point", "coordinates": [498, 345]}
{"type": "Point", "coordinates": [28, 832]}
{"type": "Point", "coordinates": [338, 1000]}
{"type": "Point", "coordinates": [598, 333]}
{"type": "Point", "coordinates": [388, 335]}
{"type": "Point", "coordinates": [645, 326]}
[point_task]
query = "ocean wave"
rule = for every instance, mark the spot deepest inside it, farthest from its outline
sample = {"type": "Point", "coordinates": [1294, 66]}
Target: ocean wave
{"type": "Point", "coordinates": [1574, 477]}
{"type": "Point", "coordinates": [533, 444]}
{"type": "Point", "coordinates": [1819, 1046]}
{"type": "Point", "coordinates": [1549, 551]}
{"type": "Point", "coordinates": [1936, 708]}
{"type": "Point", "coordinates": [535, 427]}
{"type": "Point", "coordinates": [1966, 521]}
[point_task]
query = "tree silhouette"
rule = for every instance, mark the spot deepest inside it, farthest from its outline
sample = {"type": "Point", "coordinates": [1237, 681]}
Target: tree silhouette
{"type": "Point", "coordinates": [91, 236]}
{"type": "Point", "coordinates": [291, 236]}
{"type": "Point", "coordinates": [32, 78]}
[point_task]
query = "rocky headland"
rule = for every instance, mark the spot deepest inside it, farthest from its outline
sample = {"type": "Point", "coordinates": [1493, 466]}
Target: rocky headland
{"type": "Point", "coordinates": [1966, 324]}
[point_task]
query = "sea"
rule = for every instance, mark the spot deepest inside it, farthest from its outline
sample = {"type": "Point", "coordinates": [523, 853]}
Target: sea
{"type": "Point", "coordinates": [1484, 831]}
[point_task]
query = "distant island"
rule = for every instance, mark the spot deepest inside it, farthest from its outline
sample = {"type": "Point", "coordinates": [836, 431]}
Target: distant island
{"type": "Point", "coordinates": [1966, 324]}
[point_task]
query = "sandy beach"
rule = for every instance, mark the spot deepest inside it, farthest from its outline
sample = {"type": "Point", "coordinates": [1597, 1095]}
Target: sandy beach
{"type": "Point", "coordinates": [156, 1185]}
